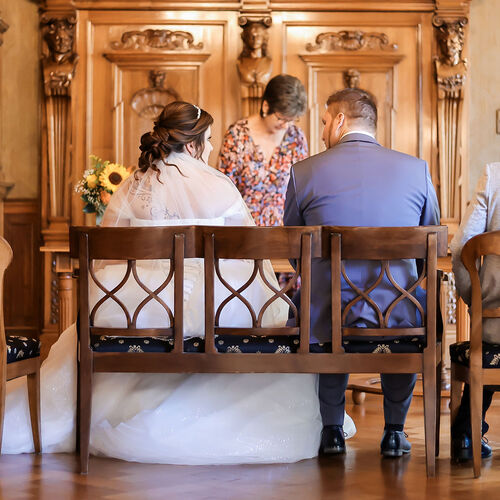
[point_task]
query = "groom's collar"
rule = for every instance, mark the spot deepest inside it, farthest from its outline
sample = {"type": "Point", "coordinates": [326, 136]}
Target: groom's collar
{"type": "Point", "coordinates": [358, 136]}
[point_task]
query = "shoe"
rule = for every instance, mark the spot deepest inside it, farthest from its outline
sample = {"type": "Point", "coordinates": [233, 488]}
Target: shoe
{"type": "Point", "coordinates": [461, 448]}
{"type": "Point", "coordinates": [332, 440]}
{"type": "Point", "coordinates": [394, 444]}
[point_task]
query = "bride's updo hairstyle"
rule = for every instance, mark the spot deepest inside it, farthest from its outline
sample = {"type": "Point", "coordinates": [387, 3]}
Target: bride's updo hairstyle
{"type": "Point", "coordinates": [179, 124]}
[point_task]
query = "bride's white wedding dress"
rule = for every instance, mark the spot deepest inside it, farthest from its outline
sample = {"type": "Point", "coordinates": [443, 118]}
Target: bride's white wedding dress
{"type": "Point", "coordinates": [175, 418]}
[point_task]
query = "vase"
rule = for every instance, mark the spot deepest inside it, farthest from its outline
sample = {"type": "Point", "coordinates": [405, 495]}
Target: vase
{"type": "Point", "coordinates": [98, 219]}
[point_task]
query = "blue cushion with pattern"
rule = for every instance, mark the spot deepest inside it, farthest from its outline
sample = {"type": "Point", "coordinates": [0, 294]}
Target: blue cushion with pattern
{"type": "Point", "coordinates": [224, 343]}
{"type": "Point", "coordinates": [460, 353]}
{"type": "Point", "coordinates": [276, 344]}
{"type": "Point", "coordinates": [19, 348]}
{"type": "Point", "coordinates": [402, 346]}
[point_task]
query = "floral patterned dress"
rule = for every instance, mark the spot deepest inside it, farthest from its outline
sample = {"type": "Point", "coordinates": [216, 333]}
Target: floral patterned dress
{"type": "Point", "coordinates": [262, 185]}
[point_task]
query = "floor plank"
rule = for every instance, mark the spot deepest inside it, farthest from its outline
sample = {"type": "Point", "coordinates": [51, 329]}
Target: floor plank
{"type": "Point", "coordinates": [361, 474]}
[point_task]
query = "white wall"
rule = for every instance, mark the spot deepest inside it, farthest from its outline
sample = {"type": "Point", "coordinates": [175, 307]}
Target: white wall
{"type": "Point", "coordinates": [484, 81]}
{"type": "Point", "coordinates": [20, 98]}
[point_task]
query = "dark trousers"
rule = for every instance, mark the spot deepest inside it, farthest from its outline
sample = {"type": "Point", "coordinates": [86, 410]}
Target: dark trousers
{"type": "Point", "coordinates": [397, 388]}
{"type": "Point", "coordinates": [461, 424]}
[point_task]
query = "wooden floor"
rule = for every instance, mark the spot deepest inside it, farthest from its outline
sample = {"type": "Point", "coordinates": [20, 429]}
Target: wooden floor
{"type": "Point", "coordinates": [361, 474]}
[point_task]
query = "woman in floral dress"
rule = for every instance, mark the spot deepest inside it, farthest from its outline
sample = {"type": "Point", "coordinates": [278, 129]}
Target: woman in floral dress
{"type": "Point", "coordinates": [258, 151]}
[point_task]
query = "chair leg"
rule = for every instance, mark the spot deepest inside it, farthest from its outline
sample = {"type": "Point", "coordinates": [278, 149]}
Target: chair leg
{"type": "Point", "coordinates": [476, 406]}
{"type": "Point", "coordinates": [455, 397]}
{"type": "Point", "coordinates": [438, 405]}
{"type": "Point", "coordinates": [85, 412]}
{"type": "Point", "coordinates": [34, 404]}
{"type": "Point", "coordinates": [429, 383]}
{"type": "Point", "coordinates": [3, 390]}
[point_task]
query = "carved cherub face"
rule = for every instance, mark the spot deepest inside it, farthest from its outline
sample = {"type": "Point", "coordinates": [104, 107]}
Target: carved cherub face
{"type": "Point", "coordinates": [255, 36]}
{"type": "Point", "coordinates": [59, 38]}
{"type": "Point", "coordinates": [157, 78]}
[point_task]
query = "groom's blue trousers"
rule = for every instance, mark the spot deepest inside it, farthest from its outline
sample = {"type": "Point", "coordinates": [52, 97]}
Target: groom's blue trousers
{"type": "Point", "coordinates": [397, 389]}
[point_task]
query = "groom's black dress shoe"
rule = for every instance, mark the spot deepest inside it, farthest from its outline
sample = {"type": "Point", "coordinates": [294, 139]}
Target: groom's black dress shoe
{"type": "Point", "coordinates": [332, 440]}
{"type": "Point", "coordinates": [461, 448]}
{"type": "Point", "coordinates": [394, 444]}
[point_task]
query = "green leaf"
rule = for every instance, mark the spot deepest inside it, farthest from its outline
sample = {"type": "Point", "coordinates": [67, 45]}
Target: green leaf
{"type": "Point", "coordinates": [89, 209]}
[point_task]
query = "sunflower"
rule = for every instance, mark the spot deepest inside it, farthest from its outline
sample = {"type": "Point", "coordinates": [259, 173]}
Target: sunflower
{"type": "Point", "coordinates": [112, 176]}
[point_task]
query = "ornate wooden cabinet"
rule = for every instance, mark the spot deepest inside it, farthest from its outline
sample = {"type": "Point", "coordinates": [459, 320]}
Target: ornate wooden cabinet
{"type": "Point", "coordinates": [110, 65]}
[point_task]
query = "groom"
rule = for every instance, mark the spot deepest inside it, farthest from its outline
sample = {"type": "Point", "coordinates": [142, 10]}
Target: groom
{"type": "Point", "coordinates": [357, 182]}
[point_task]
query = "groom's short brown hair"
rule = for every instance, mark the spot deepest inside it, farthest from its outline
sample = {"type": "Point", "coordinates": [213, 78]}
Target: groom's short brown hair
{"type": "Point", "coordinates": [358, 106]}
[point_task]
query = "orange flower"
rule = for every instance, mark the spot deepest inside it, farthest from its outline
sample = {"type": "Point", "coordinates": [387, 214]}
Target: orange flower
{"type": "Point", "coordinates": [105, 197]}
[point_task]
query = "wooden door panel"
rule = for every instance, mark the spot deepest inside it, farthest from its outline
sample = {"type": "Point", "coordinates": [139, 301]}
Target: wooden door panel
{"type": "Point", "coordinates": [386, 51]}
{"type": "Point", "coordinates": [121, 95]}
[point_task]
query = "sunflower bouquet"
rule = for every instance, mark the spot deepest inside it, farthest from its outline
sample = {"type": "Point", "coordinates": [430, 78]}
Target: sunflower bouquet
{"type": "Point", "coordinates": [99, 182]}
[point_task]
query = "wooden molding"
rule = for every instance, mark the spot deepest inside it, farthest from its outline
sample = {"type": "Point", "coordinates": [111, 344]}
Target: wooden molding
{"type": "Point", "coordinates": [297, 5]}
{"type": "Point", "coordinates": [145, 60]}
{"type": "Point", "coordinates": [360, 61]}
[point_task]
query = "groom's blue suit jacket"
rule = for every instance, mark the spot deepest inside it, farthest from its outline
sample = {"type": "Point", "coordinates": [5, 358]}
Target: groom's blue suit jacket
{"type": "Point", "coordinates": [360, 183]}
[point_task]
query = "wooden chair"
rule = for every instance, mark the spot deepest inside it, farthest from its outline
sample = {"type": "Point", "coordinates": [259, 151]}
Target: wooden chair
{"type": "Point", "coordinates": [412, 350]}
{"type": "Point", "coordinates": [469, 363]}
{"type": "Point", "coordinates": [98, 352]}
{"type": "Point", "coordinates": [254, 349]}
{"type": "Point", "coordinates": [19, 356]}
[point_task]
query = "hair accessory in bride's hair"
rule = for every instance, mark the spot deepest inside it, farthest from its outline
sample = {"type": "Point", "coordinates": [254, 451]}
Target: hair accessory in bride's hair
{"type": "Point", "coordinates": [198, 111]}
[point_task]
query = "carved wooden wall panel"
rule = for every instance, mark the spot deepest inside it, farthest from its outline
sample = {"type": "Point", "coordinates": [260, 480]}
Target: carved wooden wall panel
{"type": "Point", "coordinates": [389, 52]}
{"type": "Point", "coordinates": [23, 278]}
{"type": "Point", "coordinates": [193, 55]}
{"type": "Point", "coordinates": [130, 75]}
{"type": "Point", "coordinates": [136, 55]}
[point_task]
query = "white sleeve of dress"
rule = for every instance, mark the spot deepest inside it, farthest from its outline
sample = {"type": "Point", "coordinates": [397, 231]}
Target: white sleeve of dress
{"type": "Point", "coordinates": [473, 223]}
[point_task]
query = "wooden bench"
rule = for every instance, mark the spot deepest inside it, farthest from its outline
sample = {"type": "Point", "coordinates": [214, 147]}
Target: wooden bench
{"type": "Point", "coordinates": [301, 244]}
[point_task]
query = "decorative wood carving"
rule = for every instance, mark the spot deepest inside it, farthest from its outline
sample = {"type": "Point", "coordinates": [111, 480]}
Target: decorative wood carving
{"type": "Point", "coordinates": [350, 40]}
{"type": "Point", "coordinates": [58, 61]}
{"type": "Point", "coordinates": [3, 28]}
{"type": "Point", "coordinates": [352, 78]}
{"type": "Point", "coordinates": [451, 72]}
{"type": "Point", "coordinates": [149, 102]}
{"type": "Point", "coordinates": [254, 65]}
{"type": "Point", "coordinates": [54, 297]}
{"type": "Point", "coordinates": [157, 39]}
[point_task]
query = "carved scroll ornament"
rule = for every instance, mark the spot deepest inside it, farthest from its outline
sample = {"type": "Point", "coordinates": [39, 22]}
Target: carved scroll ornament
{"type": "Point", "coordinates": [157, 39]}
{"type": "Point", "coordinates": [149, 102]}
{"type": "Point", "coordinates": [351, 40]}
{"type": "Point", "coordinates": [254, 64]}
{"type": "Point", "coordinates": [58, 61]}
{"type": "Point", "coordinates": [3, 28]}
{"type": "Point", "coordinates": [451, 73]}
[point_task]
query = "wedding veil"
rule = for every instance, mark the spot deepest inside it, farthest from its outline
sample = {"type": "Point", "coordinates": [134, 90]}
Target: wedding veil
{"type": "Point", "coordinates": [183, 191]}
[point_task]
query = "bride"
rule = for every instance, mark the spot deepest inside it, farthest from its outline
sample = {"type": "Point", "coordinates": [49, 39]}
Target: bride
{"type": "Point", "coordinates": [175, 418]}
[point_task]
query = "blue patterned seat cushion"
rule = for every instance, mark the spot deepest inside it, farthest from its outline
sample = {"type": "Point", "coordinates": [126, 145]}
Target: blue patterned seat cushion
{"type": "Point", "coordinates": [19, 348]}
{"type": "Point", "coordinates": [388, 346]}
{"type": "Point", "coordinates": [459, 353]}
{"type": "Point", "coordinates": [249, 344]}
{"type": "Point", "coordinates": [224, 343]}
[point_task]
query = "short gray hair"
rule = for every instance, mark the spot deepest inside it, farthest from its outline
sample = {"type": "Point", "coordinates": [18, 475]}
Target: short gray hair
{"type": "Point", "coordinates": [358, 105]}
